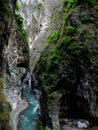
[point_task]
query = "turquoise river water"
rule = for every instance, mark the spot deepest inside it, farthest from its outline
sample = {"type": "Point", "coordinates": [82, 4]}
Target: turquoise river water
{"type": "Point", "coordinates": [29, 116]}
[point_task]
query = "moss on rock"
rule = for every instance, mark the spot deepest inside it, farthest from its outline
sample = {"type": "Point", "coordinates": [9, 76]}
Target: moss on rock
{"type": "Point", "coordinates": [5, 110]}
{"type": "Point", "coordinates": [69, 63]}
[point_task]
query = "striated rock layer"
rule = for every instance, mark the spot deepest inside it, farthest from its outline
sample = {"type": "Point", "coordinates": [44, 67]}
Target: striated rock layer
{"type": "Point", "coordinates": [37, 17]}
{"type": "Point", "coordinates": [17, 64]}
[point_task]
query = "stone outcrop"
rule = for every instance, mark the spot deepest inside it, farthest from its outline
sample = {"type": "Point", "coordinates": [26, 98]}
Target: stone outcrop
{"type": "Point", "coordinates": [17, 58]}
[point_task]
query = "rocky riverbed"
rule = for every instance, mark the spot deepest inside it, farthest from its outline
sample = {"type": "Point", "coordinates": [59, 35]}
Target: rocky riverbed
{"type": "Point", "coordinates": [13, 95]}
{"type": "Point", "coordinates": [22, 104]}
{"type": "Point", "coordinates": [77, 124]}
{"type": "Point", "coordinates": [67, 127]}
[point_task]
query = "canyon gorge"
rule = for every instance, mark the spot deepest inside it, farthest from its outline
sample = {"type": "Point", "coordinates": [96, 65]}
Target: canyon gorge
{"type": "Point", "coordinates": [48, 65]}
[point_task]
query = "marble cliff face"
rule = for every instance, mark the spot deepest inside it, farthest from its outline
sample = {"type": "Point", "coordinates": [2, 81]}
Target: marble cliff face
{"type": "Point", "coordinates": [17, 64]}
{"type": "Point", "coordinates": [14, 56]}
{"type": "Point", "coordinates": [37, 17]}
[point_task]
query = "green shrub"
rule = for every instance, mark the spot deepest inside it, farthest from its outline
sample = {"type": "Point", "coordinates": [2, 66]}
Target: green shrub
{"type": "Point", "coordinates": [17, 6]}
{"type": "Point", "coordinates": [38, 6]}
{"type": "Point", "coordinates": [70, 30]}
{"type": "Point", "coordinates": [79, 57]}
{"type": "Point", "coordinates": [20, 26]}
{"type": "Point", "coordinates": [69, 3]}
{"type": "Point", "coordinates": [96, 7]}
{"type": "Point", "coordinates": [1, 85]}
{"type": "Point", "coordinates": [19, 20]}
{"type": "Point", "coordinates": [54, 58]}
{"type": "Point", "coordinates": [96, 24]}
{"type": "Point", "coordinates": [52, 95]}
{"type": "Point", "coordinates": [77, 2]}
{"type": "Point", "coordinates": [66, 39]}
{"type": "Point", "coordinates": [54, 37]}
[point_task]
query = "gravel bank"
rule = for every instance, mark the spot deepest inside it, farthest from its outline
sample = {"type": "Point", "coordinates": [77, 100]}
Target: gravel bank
{"type": "Point", "coordinates": [22, 104]}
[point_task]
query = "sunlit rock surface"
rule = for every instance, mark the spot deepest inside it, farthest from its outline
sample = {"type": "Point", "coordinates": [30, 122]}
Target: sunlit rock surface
{"type": "Point", "coordinates": [37, 14]}
{"type": "Point", "coordinates": [16, 64]}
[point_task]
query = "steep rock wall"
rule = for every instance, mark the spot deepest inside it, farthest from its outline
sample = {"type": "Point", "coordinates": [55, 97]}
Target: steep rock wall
{"type": "Point", "coordinates": [6, 18]}
{"type": "Point", "coordinates": [6, 13]}
{"type": "Point", "coordinates": [67, 70]}
{"type": "Point", "coordinates": [14, 61]}
{"type": "Point", "coordinates": [16, 64]}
